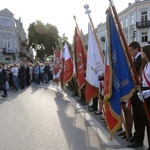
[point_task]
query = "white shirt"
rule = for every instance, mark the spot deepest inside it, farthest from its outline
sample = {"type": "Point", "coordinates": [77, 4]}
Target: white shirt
{"type": "Point", "coordinates": [14, 71]}
{"type": "Point", "coordinates": [137, 55]}
{"type": "Point", "coordinates": [147, 74]}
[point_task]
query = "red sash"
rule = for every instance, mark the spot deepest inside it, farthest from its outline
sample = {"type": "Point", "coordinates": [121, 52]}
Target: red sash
{"type": "Point", "coordinates": [146, 78]}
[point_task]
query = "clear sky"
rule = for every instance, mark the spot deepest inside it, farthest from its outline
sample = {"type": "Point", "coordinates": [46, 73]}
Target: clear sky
{"type": "Point", "coordinates": [60, 12]}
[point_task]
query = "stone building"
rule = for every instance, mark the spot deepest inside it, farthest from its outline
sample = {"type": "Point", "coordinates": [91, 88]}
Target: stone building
{"type": "Point", "coordinates": [12, 38]}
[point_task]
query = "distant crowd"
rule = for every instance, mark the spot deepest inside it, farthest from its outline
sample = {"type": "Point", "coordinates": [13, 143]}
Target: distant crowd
{"type": "Point", "coordinates": [17, 76]}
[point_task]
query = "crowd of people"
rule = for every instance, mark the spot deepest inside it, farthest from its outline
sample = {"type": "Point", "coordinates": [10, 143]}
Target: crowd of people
{"type": "Point", "coordinates": [18, 76]}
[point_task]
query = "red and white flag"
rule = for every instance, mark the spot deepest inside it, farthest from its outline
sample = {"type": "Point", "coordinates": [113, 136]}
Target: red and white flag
{"type": "Point", "coordinates": [61, 64]}
{"type": "Point", "coordinates": [56, 68]}
{"type": "Point", "coordinates": [67, 71]}
{"type": "Point", "coordinates": [79, 57]}
{"type": "Point", "coordinates": [95, 67]}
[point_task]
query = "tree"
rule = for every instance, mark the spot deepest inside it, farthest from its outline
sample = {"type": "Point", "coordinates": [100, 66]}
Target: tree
{"type": "Point", "coordinates": [43, 37]}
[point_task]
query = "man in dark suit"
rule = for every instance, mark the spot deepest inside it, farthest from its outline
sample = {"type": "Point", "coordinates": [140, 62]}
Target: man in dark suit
{"type": "Point", "coordinates": [3, 79]}
{"type": "Point", "coordinates": [137, 105]}
{"type": "Point", "coordinates": [21, 75]}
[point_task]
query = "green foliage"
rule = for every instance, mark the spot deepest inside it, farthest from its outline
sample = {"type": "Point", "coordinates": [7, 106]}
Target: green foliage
{"type": "Point", "coordinates": [43, 38]}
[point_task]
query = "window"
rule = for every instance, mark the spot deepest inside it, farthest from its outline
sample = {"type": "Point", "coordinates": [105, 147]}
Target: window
{"type": "Point", "coordinates": [122, 24]}
{"type": "Point", "coordinates": [132, 19]}
{"type": "Point", "coordinates": [7, 42]}
{"type": "Point", "coordinates": [126, 22]}
{"type": "Point", "coordinates": [6, 22]}
{"type": "Point", "coordinates": [144, 37]}
{"type": "Point", "coordinates": [8, 60]}
{"type": "Point", "coordinates": [144, 16]}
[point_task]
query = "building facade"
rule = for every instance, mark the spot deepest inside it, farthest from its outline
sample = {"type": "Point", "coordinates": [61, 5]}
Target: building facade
{"type": "Point", "coordinates": [12, 37]}
{"type": "Point", "coordinates": [135, 22]}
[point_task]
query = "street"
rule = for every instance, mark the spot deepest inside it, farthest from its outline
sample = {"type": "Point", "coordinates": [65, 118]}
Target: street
{"type": "Point", "coordinates": [46, 118]}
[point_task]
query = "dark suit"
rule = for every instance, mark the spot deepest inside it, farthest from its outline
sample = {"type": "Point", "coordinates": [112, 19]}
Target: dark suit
{"type": "Point", "coordinates": [27, 75]}
{"type": "Point", "coordinates": [139, 123]}
{"type": "Point", "coordinates": [21, 75]}
{"type": "Point", "coordinates": [3, 80]}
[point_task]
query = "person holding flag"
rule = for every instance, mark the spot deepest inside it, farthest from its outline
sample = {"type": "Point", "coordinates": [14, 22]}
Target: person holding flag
{"type": "Point", "coordinates": [139, 125]}
{"type": "Point", "coordinates": [145, 94]}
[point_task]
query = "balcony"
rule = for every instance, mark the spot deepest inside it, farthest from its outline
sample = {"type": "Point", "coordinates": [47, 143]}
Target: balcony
{"type": "Point", "coordinates": [9, 50]}
{"type": "Point", "coordinates": [143, 24]}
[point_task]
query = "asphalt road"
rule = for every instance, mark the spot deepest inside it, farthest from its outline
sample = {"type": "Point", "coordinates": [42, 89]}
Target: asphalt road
{"type": "Point", "coordinates": [47, 118]}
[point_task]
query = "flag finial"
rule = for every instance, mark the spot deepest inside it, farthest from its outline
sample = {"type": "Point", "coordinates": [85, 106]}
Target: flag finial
{"type": "Point", "coordinates": [74, 17]}
{"type": "Point", "coordinates": [64, 37]}
{"type": "Point", "coordinates": [86, 7]}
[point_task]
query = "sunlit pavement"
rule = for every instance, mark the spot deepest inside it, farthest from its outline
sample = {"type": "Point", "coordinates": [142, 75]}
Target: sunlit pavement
{"type": "Point", "coordinates": [95, 121]}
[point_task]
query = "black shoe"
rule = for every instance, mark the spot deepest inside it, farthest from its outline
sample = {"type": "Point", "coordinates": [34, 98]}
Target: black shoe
{"type": "Point", "coordinates": [96, 113]}
{"type": "Point", "coordinates": [135, 144]}
{"type": "Point", "coordinates": [83, 103]}
{"type": "Point", "coordinates": [80, 101]}
{"type": "Point", "coordinates": [74, 94]}
{"type": "Point", "coordinates": [4, 95]}
{"type": "Point", "coordinates": [91, 110]}
{"type": "Point", "coordinates": [122, 133]}
{"type": "Point", "coordinates": [132, 139]}
{"type": "Point", "coordinates": [129, 138]}
{"type": "Point", "coordinates": [102, 118]}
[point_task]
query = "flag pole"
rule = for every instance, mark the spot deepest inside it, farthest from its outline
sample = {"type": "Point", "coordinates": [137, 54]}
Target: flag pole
{"type": "Point", "coordinates": [95, 35]}
{"type": "Point", "coordinates": [129, 56]}
{"type": "Point", "coordinates": [74, 17]}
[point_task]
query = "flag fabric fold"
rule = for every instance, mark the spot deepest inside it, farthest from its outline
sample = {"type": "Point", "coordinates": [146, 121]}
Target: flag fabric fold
{"type": "Point", "coordinates": [80, 63]}
{"type": "Point", "coordinates": [67, 71]}
{"type": "Point", "coordinates": [56, 68]}
{"type": "Point", "coordinates": [118, 80]}
{"type": "Point", "coordinates": [95, 67]}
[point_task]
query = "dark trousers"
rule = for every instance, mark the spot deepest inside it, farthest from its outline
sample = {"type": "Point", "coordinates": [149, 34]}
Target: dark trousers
{"type": "Point", "coordinates": [138, 118]}
{"type": "Point", "coordinates": [146, 120]}
{"type": "Point", "coordinates": [95, 103]}
{"type": "Point", "coordinates": [148, 132]}
{"type": "Point", "coordinates": [22, 82]}
{"type": "Point", "coordinates": [4, 89]}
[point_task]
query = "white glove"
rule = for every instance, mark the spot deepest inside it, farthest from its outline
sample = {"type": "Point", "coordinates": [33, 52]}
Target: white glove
{"type": "Point", "coordinates": [140, 95]}
{"type": "Point", "coordinates": [144, 94]}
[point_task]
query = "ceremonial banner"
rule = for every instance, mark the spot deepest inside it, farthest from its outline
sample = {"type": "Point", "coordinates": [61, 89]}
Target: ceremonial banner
{"type": "Point", "coordinates": [119, 85]}
{"type": "Point", "coordinates": [56, 68]}
{"type": "Point", "coordinates": [79, 60]}
{"type": "Point", "coordinates": [95, 67]}
{"type": "Point", "coordinates": [61, 65]}
{"type": "Point", "coordinates": [67, 65]}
